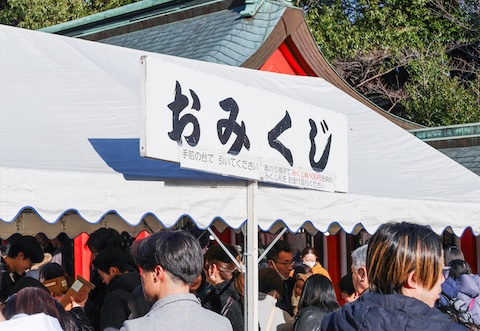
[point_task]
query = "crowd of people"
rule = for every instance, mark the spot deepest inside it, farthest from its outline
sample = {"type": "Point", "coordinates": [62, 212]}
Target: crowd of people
{"type": "Point", "coordinates": [402, 279]}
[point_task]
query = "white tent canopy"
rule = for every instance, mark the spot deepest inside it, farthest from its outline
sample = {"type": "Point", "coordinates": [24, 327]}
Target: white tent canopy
{"type": "Point", "coordinates": [71, 114]}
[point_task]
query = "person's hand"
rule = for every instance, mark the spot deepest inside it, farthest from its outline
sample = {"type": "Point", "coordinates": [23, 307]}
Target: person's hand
{"type": "Point", "coordinates": [78, 304]}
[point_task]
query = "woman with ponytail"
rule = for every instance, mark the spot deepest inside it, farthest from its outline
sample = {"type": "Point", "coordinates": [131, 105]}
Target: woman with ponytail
{"type": "Point", "coordinates": [227, 293]}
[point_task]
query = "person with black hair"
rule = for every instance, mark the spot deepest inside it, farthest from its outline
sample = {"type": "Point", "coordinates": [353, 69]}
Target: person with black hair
{"type": "Point", "coordinates": [111, 265]}
{"type": "Point", "coordinates": [46, 244]}
{"type": "Point", "coordinates": [449, 286]}
{"type": "Point", "coordinates": [28, 282]}
{"type": "Point", "coordinates": [51, 271]}
{"type": "Point", "coordinates": [24, 251]}
{"type": "Point", "coordinates": [317, 300]}
{"type": "Point", "coordinates": [98, 241]}
{"type": "Point", "coordinates": [103, 238]}
{"type": "Point", "coordinates": [170, 261]}
{"type": "Point", "coordinates": [280, 258]}
{"type": "Point", "coordinates": [347, 290]}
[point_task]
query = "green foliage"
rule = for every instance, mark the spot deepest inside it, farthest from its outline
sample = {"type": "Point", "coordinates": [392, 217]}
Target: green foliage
{"type": "Point", "coordinates": [345, 29]}
{"type": "Point", "coordinates": [36, 14]}
{"type": "Point", "coordinates": [380, 48]}
{"type": "Point", "coordinates": [436, 98]}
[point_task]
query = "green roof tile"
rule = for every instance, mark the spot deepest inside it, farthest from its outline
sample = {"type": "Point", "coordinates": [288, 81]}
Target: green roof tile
{"type": "Point", "coordinates": [222, 37]}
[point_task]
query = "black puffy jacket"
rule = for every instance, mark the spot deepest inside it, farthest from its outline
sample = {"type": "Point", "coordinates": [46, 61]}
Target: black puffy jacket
{"type": "Point", "coordinates": [373, 311]}
{"type": "Point", "coordinates": [309, 319]}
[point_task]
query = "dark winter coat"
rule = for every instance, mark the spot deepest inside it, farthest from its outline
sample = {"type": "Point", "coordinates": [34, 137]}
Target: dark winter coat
{"type": "Point", "coordinates": [115, 305]}
{"type": "Point", "coordinates": [374, 311]}
{"type": "Point", "coordinates": [7, 281]}
{"type": "Point", "coordinates": [225, 300]}
{"type": "Point", "coordinates": [309, 319]}
{"type": "Point", "coordinates": [95, 299]}
{"type": "Point", "coordinates": [80, 318]}
{"type": "Point", "coordinates": [285, 301]}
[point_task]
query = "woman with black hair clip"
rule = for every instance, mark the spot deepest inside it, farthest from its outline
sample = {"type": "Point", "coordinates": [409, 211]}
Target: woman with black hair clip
{"type": "Point", "coordinates": [226, 296]}
{"type": "Point", "coordinates": [317, 300]}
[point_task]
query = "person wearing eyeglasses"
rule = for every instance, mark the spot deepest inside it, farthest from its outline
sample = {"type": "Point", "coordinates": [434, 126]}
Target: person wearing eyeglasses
{"type": "Point", "coordinates": [280, 258]}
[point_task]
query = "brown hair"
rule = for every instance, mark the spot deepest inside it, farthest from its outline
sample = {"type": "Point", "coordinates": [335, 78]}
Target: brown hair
{"type": "Point", "coordinates": [453, 253]}
{"type": "Point", "coordinates": [397, 249]}
{"type": "Point", "coordinates": [34, 300]}
{"type": "Point", "coordinates": [309, 250]}
{"type": "Point", "coordinates": [227, 268]}
{"type": "Point", "coordinates": [269, 280]}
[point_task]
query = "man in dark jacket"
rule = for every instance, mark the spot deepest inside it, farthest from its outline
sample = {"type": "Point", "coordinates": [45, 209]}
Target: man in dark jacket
{"type": "Point", "coordinates": [405, 270]}
{"type": "Point", "coordinates": [99, 240]}
{"type": "Point", "coordinates": [280, 258]}
{"type": "Point", "coordinates": [111, 265]}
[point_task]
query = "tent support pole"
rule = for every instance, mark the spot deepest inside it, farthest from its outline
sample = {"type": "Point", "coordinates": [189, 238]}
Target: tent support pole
{"type": "Point", "coordinates": [239, 266]}
{"type": "Point", "coordinates": [251, 283]}
{"type": "Point", "coordinates": [274, 241]}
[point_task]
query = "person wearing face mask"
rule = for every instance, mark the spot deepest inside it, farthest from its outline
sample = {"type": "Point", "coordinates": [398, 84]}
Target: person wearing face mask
{"type": "Point", "coordinates": [280, 258]}
{"type": "Point", "coordinates": [309, 257]}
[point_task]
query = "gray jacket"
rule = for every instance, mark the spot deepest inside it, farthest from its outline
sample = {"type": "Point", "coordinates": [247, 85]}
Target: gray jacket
{"type": "Point", "coordinates": [179, 312]}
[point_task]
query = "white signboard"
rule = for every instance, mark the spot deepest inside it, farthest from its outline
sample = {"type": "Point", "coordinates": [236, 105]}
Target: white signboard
{"type": "Point", "coordinates": [209, 123]}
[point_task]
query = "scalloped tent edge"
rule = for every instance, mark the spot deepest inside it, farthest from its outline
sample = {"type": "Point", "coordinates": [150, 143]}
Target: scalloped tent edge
{"type": "Point", "coordinates": [29, 222]}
